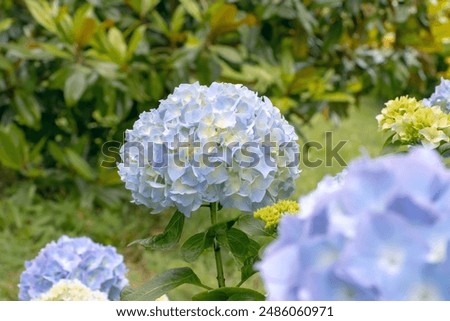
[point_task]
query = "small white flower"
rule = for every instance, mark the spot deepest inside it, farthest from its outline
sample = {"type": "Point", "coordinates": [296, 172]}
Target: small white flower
{"type": "Point", "coordinates": [71, 290]}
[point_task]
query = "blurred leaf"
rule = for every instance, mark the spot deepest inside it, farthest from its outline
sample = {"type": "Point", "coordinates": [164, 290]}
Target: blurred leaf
{"type": "Point", "coordinates": [161, 284]}
{"type": "Point", "coordinates": [136, 38]}
{"type": "Point", "coordinates": [305, 18]}
{"type": "Point", "coordinates": [55, 51]}
{"type": "Point", "coordinates": [27, 108]}
{"type": "Point", "coordinates": [117, 45]}
{"type": "Point", "coordinates": [13, 147]}
{"type": "Point", "coordinates": [5, 24]}
{"type": "Point", "coordinates": [156, 86]}
{"type": "Point", "coordinates": [35, 153]}
{"type": "Point", "coordinates": [159, 24]}
{"type": "Point", "coordinates": [193, 9]}
{"type": "Point", "coordinates": [79, 164]}
{"type": "Point", "coordinates": [169, 238]}
{"type": "Point", "coordinates": [228, 53]}
{"type": "Point", "coordinates": [84, 34]}
{"type": "Point", "coordinates": [333, 36]}
{"type": "Point", "coordinates": [84, 25]}
{"type": "Point", "coordinates": [74, 87]}
{"type": "Point", "coordinates": [57, 153]}
{"type": "Point", "coordinates": [177, 20]}
{"type": "Point", "coordinates": [42, 13]}
{"type": "Point", "coordinates": [5, 64]}
{"type": "Point", "coordinates": [142, 6]}
{"type": "Point", "coordinates": [229, 294]}
{"type": "Point", "coordinates": [223, 19]}
{"type": "Point", "coordinates": [336, 97]}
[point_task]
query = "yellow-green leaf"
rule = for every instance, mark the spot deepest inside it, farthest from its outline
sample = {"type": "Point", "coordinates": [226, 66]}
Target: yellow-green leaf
{"type": "Point", "coordinates": [136, 38]}
{"type": "Point", "coordinates": [79, 164]}
{"type": "Point", "coordinates": [5, 24]}
{"type": "Point", "coordinates": [84, 34]}
{"type": "Point", "coordinates": [193, 9]}
{"type": "Point", "coordinates": [118, 46]}
{"type": "Point", "coordinates": [42, 13]}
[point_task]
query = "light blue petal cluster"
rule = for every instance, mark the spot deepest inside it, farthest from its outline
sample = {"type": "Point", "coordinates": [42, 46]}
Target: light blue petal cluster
{"type": "Point", "coordinates": [381, 233]}
{"type": "Point", "coordinates": [223, 119]}
{"type": "Point", "coordinates": [441, 96]}
{"type": "Point", "coordinates": [98, 267]}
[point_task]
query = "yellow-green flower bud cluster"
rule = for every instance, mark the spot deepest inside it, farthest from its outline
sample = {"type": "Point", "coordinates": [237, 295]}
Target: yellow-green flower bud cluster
{"type": "Point", "coordinates": [413, 123]}
{"type": "Point", "coordinates": [271, 215]}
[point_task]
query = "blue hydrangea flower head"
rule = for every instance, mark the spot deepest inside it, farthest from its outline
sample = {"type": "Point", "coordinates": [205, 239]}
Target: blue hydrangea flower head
{"type": "Point", "coordinates": [441, 96]}
{"type": "Point", "coordinates": [382, 232]}
{"type": "Point", "coordinates": [220, 143]}
{"type": "Point", "coordinates": [98, 267]}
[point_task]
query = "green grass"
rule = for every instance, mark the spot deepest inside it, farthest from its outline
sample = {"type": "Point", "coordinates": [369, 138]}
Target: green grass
{"type": "Point", "coordinates": [28, 221]}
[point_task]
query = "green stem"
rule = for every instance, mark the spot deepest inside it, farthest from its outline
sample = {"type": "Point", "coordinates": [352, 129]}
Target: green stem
{"type": "Point", "coordinates": [217, 254]}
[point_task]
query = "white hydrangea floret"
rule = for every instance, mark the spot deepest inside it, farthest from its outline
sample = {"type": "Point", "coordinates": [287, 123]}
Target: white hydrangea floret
{"type": "Point", "coordinates": [71, 290]}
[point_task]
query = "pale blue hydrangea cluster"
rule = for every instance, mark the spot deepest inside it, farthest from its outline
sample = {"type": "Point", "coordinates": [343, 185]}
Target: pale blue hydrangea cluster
{"type": "Point", "coordinates": [221, 119]}
{"type": "Point", "coordinates": [441, 96]}
{"type": "Point", "coordinates": [98, 267]}
{"type": "Point", "coordinates": [382, 233]}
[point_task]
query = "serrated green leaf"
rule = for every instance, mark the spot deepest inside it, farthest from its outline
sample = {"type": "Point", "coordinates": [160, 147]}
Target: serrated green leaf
{"type": "Point", "coordinates": [229, 294]}
{"type": "Point", "coordinates": [195, 245]}
{"type": "Point", "coordinates": [169, 238]}
{"type": "Point", "coordinates": [238, 242]}
{"type": "Point", "coordinates": [252, 226]}
{"type": "Point", "coordinates": [247, 269]}
{"type": "Point", "coordinates": [161, 284]}
{"type": "Point", "coordinates": [126, 291]}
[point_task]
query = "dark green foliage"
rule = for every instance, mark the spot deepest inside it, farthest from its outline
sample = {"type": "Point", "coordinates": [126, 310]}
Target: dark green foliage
{"type": "Point", "coordinates": [75, 76]}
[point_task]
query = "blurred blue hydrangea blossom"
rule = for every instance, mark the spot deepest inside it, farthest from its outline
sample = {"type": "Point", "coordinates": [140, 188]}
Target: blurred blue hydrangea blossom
{"type": "Point", "coordinates": [220, 124]}
{"type": "Point", "coordinates": [98, 267]}
{"type": "Point", "coordinates": [441, 96]}
{"type": "Point", "coordinates": [381, 233]}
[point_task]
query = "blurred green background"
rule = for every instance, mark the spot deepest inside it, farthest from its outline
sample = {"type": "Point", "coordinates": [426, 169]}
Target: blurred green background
{"type": "Point", "coordinates": [76, 74]}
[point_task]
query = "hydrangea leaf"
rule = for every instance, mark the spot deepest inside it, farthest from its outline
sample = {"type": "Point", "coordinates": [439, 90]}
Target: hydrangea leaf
{"type": "Point", "coordinates": [161, 284]}
{"type": "Point", "coordinates": [169, 238]}
{"type": "Point", "coordinates": [229, 294]}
